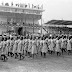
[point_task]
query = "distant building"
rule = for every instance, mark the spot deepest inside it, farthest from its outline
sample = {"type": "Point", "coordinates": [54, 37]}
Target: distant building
{"type": "Point", "coordinates": [59, 26]}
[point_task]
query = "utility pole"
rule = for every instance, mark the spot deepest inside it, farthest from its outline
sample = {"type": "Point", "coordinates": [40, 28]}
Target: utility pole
{"type": "Point", "coordinates": [41, 24]}
{"type": "Point", "coordinates": [33, 25]}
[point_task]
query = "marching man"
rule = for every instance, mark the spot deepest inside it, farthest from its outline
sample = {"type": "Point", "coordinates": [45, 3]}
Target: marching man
{"type": "Point", "coordinates": [11, 47]}
{"type": "Point", "coordinates": [15, 46]}
{"type": "Point", "coordinates": [34, 49]}
{"type": "Point", "coordinates": [20, 49]}
{"type": "Point", "coordinates": [29, 48]}
{"type": "Point", "coordinates": [57, 49]}
{"type": "Point", "coordinates": [44, 48]}
{"type": "Point", "coordinates": [69, 46]}
{"type": "Point", "coordinates": [4, 50]}
{"type": "Point", "coordinates": [51, 46]}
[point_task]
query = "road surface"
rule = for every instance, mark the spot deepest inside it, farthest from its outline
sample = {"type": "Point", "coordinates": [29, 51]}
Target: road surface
{"type": "Point", "coordinates": [51, 63]}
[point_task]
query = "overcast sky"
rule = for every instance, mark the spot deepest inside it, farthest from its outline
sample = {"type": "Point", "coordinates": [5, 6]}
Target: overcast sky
{"type": "Point", "coordinates": [54, 9]}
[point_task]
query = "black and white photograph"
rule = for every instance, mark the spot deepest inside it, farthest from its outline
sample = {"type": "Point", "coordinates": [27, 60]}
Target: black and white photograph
{"type": "Point", "coordinates": [35, 35]}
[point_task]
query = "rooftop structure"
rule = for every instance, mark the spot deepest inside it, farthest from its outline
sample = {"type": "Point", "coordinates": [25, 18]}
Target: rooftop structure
{"type": "Point", "coordinates": [57, 26]}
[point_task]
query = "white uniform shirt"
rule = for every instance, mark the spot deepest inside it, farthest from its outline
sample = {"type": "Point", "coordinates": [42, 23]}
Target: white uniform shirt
{"type": "Point", "coordinates": [69, 45]}
{"type": "Point", "coordinates": [44, 48]}
{"type": "Point", "coordinates": [57, 49]}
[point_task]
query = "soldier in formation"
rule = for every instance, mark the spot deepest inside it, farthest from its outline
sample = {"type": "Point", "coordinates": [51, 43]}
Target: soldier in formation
{"type": "Point", "coordinates": [19, 46]}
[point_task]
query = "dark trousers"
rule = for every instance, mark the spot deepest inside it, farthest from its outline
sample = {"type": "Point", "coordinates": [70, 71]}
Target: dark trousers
{"type": "Point", "coordinates": [8, 53]}
{"type": "Point", "coordinates": [69, 51]}
{"type": "Point", "coordinates": [51, 52]}
{"type": "Point", "coordinates": [16, 55]}
{"type": "Point", "coordinates": [41, 53]}
{"type": "Point", "coordinates": [44, 55]}
{"type": "Point", "coordinates": [29, 54]}
{"type": "Point", "coordinates": [21, 56]}
{"type": "Point", "coordinates": [26, 53]}
{"type": "Point", "coordinates": [63, 50]}
{"type": "Point", "coordinates": [4, 57]}
{"type": "Point", "coordinates": [11, 54]}
{"type": "Point", "coordinates": [58, 53]}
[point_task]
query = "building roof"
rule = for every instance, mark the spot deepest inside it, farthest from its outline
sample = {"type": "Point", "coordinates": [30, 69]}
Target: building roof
{"type": "Point", "coordinates": [59, 22]}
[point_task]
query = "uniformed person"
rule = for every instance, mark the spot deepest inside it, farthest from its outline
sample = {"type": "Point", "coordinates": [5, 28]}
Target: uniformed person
{"type": "Point", "coordinates": [57, 49]}
{"type": "Point", "coordinates": [44, 48]}
{"type": "Point", "coordinates": [3, 54]}
{"type": "Point", "coordinates": [34, 49]}
{"type": "Point", "coordinates": [69, 46]}
{"type": "Point", "coordinates": [20, 49]}
{"type": "Point", "coordinates": [11, 47]}
{"type": "Point", "coordinates": [29, 48]}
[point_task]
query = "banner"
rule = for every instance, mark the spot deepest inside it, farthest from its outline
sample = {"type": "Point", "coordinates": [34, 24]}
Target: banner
{"type": "Point", "coordinates": [25, 5]}
{"type": "Point", "coordinates": [34, 6]}
{"type": "Point", "coordinates": [6, 4]}
{"type": "Point", "coordinates": [17, 5]}
{"type": "Point", "coordinates": [11, 3]}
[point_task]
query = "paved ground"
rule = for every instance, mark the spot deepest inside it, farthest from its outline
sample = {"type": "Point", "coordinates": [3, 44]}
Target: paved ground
{"type": "Point", "coordinates": [50, 64]}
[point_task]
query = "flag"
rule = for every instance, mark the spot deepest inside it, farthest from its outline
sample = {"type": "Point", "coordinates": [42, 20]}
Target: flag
{"type": "Point", "coordinates": [25, 5]}
{"type": "Point", "coordinates": [6, 4]}
{"type": "Point", "coordinates": [35, 6]}
{"type": "Point", "coordinates": [38, 6]}
{"type": "Point", "coordinates": [12, 4]}
{"type": "Point", "coordinates": [17, 5]}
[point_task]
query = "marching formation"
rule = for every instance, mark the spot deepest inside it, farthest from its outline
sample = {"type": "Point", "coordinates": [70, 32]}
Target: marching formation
{"type": "Point", "coordinates": [19, 46]}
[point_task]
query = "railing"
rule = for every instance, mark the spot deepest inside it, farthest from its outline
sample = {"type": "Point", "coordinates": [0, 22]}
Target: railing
{"type": "Point", "coordinates": [37, 13]}
{"type": "Point", "coordinates": [20, 25]}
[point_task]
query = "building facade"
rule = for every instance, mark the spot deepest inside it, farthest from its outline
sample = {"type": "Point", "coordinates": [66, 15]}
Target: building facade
{"type": "Point", "coordinates": [24, 17]}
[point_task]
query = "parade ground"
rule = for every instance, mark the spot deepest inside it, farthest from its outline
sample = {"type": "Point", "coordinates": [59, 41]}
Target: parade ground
{"type": "Point", "coordinates": [51, 63]}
